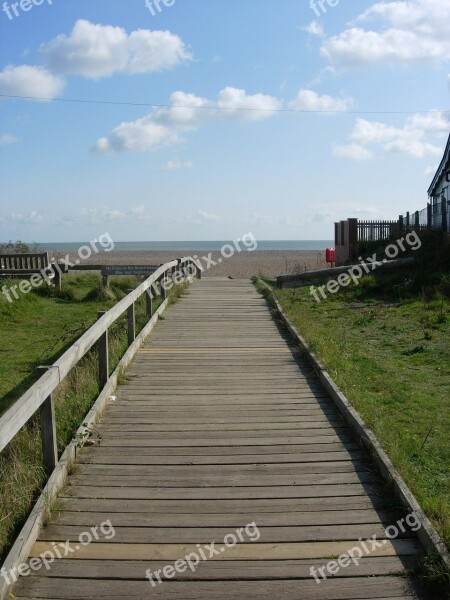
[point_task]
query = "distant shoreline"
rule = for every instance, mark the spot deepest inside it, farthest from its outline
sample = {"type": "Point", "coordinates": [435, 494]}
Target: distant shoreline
{"type": "Point", "coordinates": [192, 246]}
{"type": "Point", "coordinates": [245, 264]}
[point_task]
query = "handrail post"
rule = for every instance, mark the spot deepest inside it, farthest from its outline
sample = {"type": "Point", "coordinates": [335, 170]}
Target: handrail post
{"type": "Point", "coordinates": [48, 432]}
{"type": "Point", "coordinates": [131, 324]}
{"type": "Point", "coordinates": [163, 286]}
{"type": "Point", "coordinates": [149, 303]}
{"type": "Point", "coordinates": [103, 355]}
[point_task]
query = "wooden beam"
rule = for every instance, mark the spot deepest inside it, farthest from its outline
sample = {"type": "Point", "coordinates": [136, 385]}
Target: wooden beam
{"type": "Point", "coordinates": [48, 432]}
{"type": "Point", "coordinates": [131, 319]}
{"type": "Point", "coordinates": [103, 355]}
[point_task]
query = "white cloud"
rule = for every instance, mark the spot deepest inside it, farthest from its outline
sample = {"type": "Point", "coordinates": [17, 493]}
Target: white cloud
{"type": "Point", "coordinates": [258, 219]}
{"type": "Point", "coordinates": [138, 210]}
{"type": "Point", "coordinates": [413, 139]}
{"type": "Point", "coordinates": [415, 148]}
{"type": "Point", "coordinates": [237, 105]}
{"type": "Point", "coordinates": [308, 100]}
{"type": "Point", "coordinates": [136, 136]}
{"type": "Point", "coordinates": [105, 213]}
{"type": "Point", "coordinates": [353, 151]}
{"type": "Point", "coordinates": [314, 28]}
{"type": "Point", "coordinates": [175, 165]}
{"type": "Point", "coordinates": [186, 112]}
{"type": "Point", "coordinates": [95, 51]}
{"type": "Point", "coordinates": [412, 31]}
{"type": "Point", "coordinates": [205, 216]}
{"type": "Point", "coordinates": [25, 80]}
{"type": "Point", "coordinates": [7, 138]}
{"type": "Point", "coordinates": [31, 218]}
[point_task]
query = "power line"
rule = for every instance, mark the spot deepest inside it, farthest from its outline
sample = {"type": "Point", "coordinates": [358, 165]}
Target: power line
{"type": "Point", "coordinates": [225, 108]}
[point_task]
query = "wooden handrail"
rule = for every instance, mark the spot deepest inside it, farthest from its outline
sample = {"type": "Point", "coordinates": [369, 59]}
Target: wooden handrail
{"type": "Point", "coordinates": [25, 407]}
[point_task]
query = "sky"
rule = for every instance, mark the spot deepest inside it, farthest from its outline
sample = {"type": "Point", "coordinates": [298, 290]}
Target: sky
{"type": "Point", "coordinates": [207, 119]}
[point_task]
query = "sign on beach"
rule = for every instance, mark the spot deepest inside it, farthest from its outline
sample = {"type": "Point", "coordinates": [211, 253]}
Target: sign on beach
{"type": "Point", "coordinates": [109, 270]}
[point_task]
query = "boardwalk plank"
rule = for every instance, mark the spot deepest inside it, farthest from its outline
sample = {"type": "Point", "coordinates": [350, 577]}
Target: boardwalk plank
{"type": "Point", "coordinates": [220, 424]}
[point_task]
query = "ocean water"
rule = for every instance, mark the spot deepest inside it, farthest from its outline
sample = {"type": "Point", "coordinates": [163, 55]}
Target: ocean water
{"type": "Point", "coordinates": [200, 246]}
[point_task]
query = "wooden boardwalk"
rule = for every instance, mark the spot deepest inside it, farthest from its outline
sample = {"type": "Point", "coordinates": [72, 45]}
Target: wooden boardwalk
{"type": "Point", "coordinates": [220, 425]}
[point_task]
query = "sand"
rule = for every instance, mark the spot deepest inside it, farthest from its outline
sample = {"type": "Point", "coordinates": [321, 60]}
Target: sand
{"type": "Point", "coordinates": [245, 264]}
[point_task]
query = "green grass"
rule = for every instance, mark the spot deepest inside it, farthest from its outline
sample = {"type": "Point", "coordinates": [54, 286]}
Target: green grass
{"type": "Point", "coordinates": [35, 330]}
{"type": "Point", "coordinates": [38, 327]}
{"type": "Point", "coordinates": [391, 357]}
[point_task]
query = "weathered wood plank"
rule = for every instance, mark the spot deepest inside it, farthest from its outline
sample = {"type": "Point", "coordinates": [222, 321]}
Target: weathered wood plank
{"type": "Point", "coordinates": [223, 423]}
{"type": "Point", "coordinates": [234, 570]}
{"type": "Point", "coordinates": [358, 588]}
{"type": "Point", "coordinates": [256, 551]}
{"type": "Point", "coordinates": [198, 493]}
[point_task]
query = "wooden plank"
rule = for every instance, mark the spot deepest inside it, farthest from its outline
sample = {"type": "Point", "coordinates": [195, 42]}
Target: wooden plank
{"type": "Point", "coordinates": [225, 570]}
{"type": "Point", "coordinates": [174, 535]}
{"type": "Point", "coordinates": [311, 461]}
{"type": "Point", "coordinates": [89, 476]}
{"type": "Point", "coordinates": [198, 493]}
{"type": "Point", "coordinates": [233, 520]}
{"type": "Point", "coordinates": [223, 423]}
{"type": "Point", "coordinates": [358, 588]}
{"type": "Point", "coordinates": [141, 442]}
{"type": "Point", "coordinates": [256, 551]}
{"type": "Point", "coordinates": [215, 450]}
{"type": "Point", "coordinates": [211, 506]}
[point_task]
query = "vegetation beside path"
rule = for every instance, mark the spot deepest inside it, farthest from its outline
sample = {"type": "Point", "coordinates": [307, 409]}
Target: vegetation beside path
{"type": "Point", "coordinates": [386, 342]}
{"type": "Point", "coordinates": [35, 330]}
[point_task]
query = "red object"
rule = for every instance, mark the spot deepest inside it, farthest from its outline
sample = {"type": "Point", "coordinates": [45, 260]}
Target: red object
{"type": "Point", "coordinates": [330, 255]}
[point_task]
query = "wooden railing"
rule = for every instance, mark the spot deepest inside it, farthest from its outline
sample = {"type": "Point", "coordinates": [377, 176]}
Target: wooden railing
{"type": "Point", "coordinates": [374, 231]}
{"type": "Point", "coordinates": [40, 395]}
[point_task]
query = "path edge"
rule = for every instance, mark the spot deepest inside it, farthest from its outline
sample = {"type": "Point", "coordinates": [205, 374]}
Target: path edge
{"type": "Point", "coordinates": [29, 533]}
{"type": "Point", "coordinates": [427, 534]}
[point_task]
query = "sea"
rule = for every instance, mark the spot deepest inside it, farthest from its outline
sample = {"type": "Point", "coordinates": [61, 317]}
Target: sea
{"type": "Point", "coordinates": [209, 246]}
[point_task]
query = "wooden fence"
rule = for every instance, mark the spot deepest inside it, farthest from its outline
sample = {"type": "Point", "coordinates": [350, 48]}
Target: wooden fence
{"type": "Point", "coordinates": [373, 231]}
{"type": "Point", "coordinates": [39, 396]}
{"type": "Point", "coordinates": [349, 233]}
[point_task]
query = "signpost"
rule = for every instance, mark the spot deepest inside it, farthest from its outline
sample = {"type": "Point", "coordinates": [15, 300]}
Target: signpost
{"type": "Point", "coordinates": [138, 270]}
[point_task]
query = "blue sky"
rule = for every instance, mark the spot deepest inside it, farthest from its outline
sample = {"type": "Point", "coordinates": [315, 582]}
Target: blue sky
{"type": "Point", "coordinates": [276, 118]}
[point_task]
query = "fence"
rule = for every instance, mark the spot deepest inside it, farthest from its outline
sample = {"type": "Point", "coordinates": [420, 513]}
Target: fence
{"type": "Point", "coordinates": [435, 217]}
{"type": "Point", "coordinates": [373, 231]}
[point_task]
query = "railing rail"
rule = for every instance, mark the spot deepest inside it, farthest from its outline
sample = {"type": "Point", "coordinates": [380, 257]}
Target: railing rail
{"type": "Point", "coordinates": [39, 395]}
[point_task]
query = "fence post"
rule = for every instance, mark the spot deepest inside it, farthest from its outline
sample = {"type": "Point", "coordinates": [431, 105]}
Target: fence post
{"type": "Point", "coordinates": [163, 286]}
{"type": "Point", "coordinates": [199, 274]}
{"type": "Point", "coordinates": [131, 324]}
{"type": "Point", "coordinates": [56, 276]}
{"type": "Point", "coordinates": [444, 214]}
{"type": "Point", "coordinates": [352, 238]}
{"type": "Point", "coordinates": [103, 355]}
{"type": "Point", "coordinates": [48, 431]}
{"type": "Point", "coordinates": [429, 216]}
{"type": "Point", "coordinates": [149, 303]}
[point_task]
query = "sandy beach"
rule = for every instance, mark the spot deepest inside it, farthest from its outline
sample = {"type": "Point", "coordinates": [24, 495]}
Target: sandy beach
{"type": "Point", "coordinates": [245, 264]}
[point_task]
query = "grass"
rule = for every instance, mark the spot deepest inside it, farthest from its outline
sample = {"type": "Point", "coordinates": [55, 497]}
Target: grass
{"type": "Point", "coordinates": [386, 344]}
{"type": "Point", "coordinates": [36, 330]}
